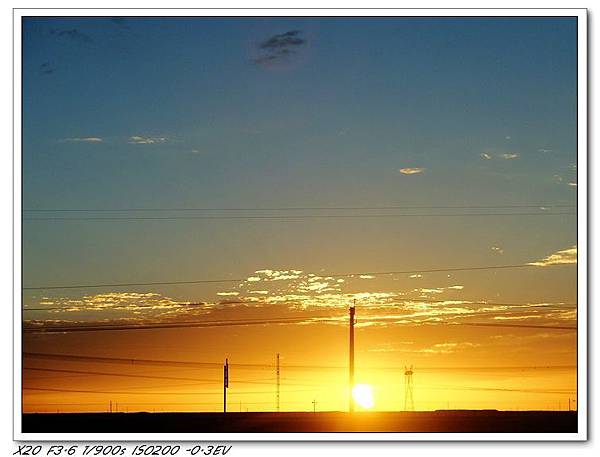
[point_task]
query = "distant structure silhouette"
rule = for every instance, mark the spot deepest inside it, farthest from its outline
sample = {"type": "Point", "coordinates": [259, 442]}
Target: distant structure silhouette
{"type": "Point", "coordinates": [225, 384]}
{"type": "Point", "coordinates": [409, 403]}
{"type": "Point", "coordinates": [278, 382]}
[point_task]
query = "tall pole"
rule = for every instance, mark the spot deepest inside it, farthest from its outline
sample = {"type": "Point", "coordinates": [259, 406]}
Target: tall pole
{"type": "Point", "coordinates": [225, 384]}
{"type": "Point", "coordinates": [278, 382]}
{"type": "Point", "coordinates": [351, 364]}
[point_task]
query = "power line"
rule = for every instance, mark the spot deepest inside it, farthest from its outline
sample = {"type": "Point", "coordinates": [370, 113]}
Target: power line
{"type": "Point", "coordinates": [133, 361]}
{"type": "Point", "coordinates": [196, 364]}
{"type": "Point", "coordinates": [197, 324]}
{"type": "Point", "coordinates": [115, 308]}
{"type": "Point", "coordinates": [296, 208]}
{"type": "Point", "coordinates": [134, 392]}
{"type": "Point", "coordinates": [284, 217]}
{"type": "Point", "coordinates": [483, 324]}
{"type": "Point", "coordinates": [500, 389]}
{"type": "Point", "coordinates": [216, 281]}
{"type": "Point", "coordinates": [129, 375]}
{"type": "Point", "coordinates": [111, 328]}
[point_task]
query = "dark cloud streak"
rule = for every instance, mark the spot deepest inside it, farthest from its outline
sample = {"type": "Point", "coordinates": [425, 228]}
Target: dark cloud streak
{"type": "Point", "coordinates": [279, 47]}
{"type": "Point", "coordinates": [73, 35]}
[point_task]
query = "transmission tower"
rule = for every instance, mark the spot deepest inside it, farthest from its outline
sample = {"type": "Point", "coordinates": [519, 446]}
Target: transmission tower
{"type": "Point", "coordinates": [278, 382]}
{"type": "Point", "coordinates": [409, 404]}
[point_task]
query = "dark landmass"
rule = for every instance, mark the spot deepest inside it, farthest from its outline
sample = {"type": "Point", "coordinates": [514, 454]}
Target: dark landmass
{"type": "Point", "coordinates": [454, 421]}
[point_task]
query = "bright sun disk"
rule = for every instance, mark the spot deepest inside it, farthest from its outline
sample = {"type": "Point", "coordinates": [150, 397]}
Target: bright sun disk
{"type": "Point", "coordinates": [363, 395]}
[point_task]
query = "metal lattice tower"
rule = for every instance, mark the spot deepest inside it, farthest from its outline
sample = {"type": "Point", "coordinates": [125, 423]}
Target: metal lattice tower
{"type": "Point", "coordinates": [278, 382]}
{"type": "Point", "coordinates": [409, 404]}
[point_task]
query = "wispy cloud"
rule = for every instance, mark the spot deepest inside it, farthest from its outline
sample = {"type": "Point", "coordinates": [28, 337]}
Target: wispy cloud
{"type": "Point", "coordinates": [283, 40]}
{"type": "Point", "coordinates": [279, 47]}
{"type": "Point", "coordinates": [412, 171]}
{"type": "Point", "coordinates": [136, 139]}
{"type": "Point", "coordinates": [502, 156]}
{"type": "Point", "coordinates": [119, 22]}
{"type": "Point", "coordinates": [573, 184]}
{"type": "Point", "coordinates": [564, 257]}
{"type": "Point", "coordinates": [47, 68]}
{"type": "Point", "coordinates": [84, 139]}
{"type": "Point", "coordinates": [72, 35]}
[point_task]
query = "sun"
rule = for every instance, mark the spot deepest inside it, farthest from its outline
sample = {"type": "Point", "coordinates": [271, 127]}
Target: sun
{"type": "Point", "coordinates": [363, 395]}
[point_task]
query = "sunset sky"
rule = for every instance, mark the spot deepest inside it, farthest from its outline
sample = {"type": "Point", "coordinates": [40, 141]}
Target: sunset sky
{"type": "Point", "coordinates": [299, 161]}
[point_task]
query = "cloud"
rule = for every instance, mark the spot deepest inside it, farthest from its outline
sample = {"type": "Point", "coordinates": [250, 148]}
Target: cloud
{"type": "Point", "coordinates": [147, 139]}
{"type": "Point", "coordinates": [279, 47]}
{"type": "Point", "coordinates": [412, 171]}
{"type": "Point", "coordinates": [564, 257]}
{"type": "Point", "coordinates": [544, 150]}
{"type": "Point", "coordinates": [227, 294]}
{"type": "Point", "coordinates": [119, 22]}
{"type": "Point", "coordinates": [73, 35]}
{"type": "Point", "coordinates": [439, 348]}
{"type": "Point", "coordinates": [85, 139]}
{"type": "Point", "coordinates": [573, 184]}
{"type": "Point", "coordinates": [504, 156]}
{"type": "Point", "coordinates": [283, 40]}
{"type": "Point", "coordinates": [47, 68]}
{"type": "Point", "coordinates": [134, 302]}
{"type": "Point", "coordinates": [498, 250]}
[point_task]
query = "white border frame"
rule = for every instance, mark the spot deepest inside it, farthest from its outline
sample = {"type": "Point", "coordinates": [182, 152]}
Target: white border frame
{"type": "Point", "coordinates": [582, 231]}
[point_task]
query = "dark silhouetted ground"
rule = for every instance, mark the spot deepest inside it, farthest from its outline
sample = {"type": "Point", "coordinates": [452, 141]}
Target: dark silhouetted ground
{"type": "Point", "coordinates": [437, 421]}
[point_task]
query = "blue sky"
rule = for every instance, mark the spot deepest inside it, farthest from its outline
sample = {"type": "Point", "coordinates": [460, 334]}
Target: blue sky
{"type": "Point", "coordinates": [187, 112]}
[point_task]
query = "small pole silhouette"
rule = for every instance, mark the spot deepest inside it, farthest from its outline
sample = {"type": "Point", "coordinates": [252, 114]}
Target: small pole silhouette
{"type": "Point", "coordinates": [351, 357]}
{"type": "Point", "coordinates": [409, 404]}
{"type": "Point", "coordinates": [225, 384]}
{"type": "Point", "coordinates": [314, 402]}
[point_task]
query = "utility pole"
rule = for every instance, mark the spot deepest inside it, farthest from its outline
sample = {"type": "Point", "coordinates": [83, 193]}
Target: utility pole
{"type": "Point", "coordinates": [225, 384]}
{"type": "Point", "coordinates": [409, 404]}
{"type": "Point", "coordinates": [110, 406]}
{"type": "Point", "coordinates": [351, 361]}
{"type": "Point", "coordinates": [278, 382]}
{"type": "Point", "coordinates": [314, 402]}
